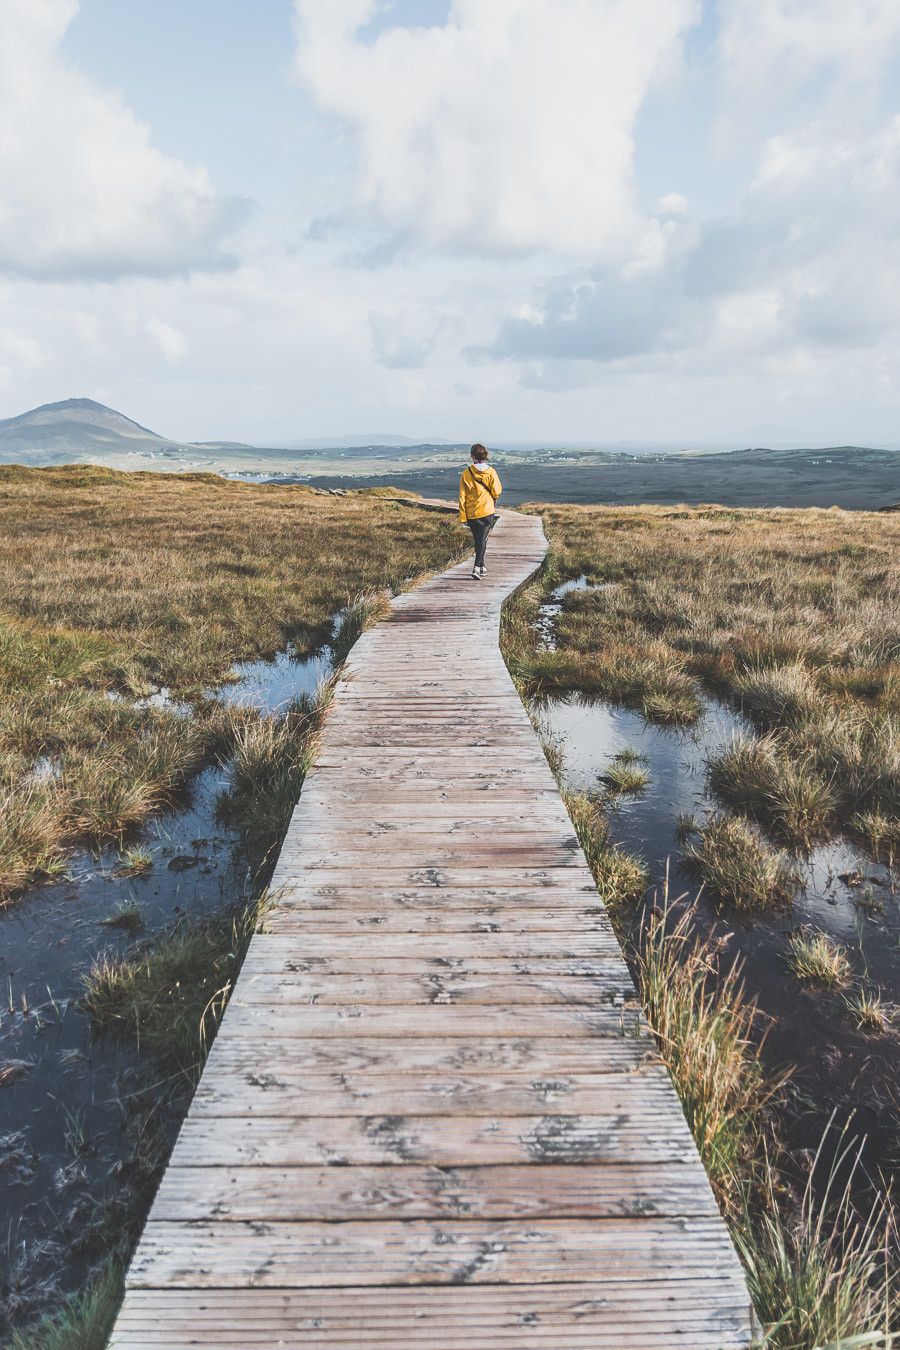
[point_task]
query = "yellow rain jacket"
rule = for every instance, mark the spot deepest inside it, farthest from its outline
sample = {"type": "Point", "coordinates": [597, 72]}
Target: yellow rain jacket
{"type": "Point", "coordinates": [479, 489]}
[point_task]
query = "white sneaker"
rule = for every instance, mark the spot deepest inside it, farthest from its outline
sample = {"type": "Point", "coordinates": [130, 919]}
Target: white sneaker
{"type": "Point", "coordinates": [484, 571]}
{"type": "Point", "coordinates": [475, 574]}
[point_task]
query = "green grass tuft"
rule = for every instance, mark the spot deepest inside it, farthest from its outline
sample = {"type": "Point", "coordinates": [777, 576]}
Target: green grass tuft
{"type": "Point", "coordinates": [168, 1000]}
{"type": "Point", "coordinates": [83, 1323]}
{"type": "Point", "coordinates": [739, 867]}
{"type": "Point", "coordinates": [620, 876]}
{"type": "Point", "coordinates": [817, 958]}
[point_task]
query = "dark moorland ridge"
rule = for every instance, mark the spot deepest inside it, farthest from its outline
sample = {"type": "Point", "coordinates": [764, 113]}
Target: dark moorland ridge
{"type": "Point", "coordinates": [855, 477]}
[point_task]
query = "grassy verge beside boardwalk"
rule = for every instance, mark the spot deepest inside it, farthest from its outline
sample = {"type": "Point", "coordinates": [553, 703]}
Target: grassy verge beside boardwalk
{"type": "Point", "coordinates": [119, 587]}
{"type": "Point", "coordinates": [791, 618]}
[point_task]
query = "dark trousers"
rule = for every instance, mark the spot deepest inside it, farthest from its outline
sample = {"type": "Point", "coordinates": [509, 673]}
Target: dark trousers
{"type": "Point", "coordinates": [481, 528]}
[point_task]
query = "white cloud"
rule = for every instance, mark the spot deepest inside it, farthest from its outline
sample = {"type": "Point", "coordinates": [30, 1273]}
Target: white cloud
{"type": "Point", "coordinates": [778, 56]}
{"type": "Point", "coordinates": [84, 193]}
{"type": "Point", "coordinates": [818, 226]}
{"type": "Point", "coordinates": [168, 340]}
{"type": "Point", "coordinates": [508, 129]}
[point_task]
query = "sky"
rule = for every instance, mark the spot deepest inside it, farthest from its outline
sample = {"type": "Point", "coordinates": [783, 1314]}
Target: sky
{"type": "Point", "coordinates": [559, 221]}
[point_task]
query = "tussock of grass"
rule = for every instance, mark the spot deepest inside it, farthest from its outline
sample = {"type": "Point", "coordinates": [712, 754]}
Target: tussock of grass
{"type": "Point", "coordinates": [620, 876]}
{"type": "Point", "coordinates": [128, 917]}
{"type": "Point", "coordinates": [359, 615]}
{"type": "Point", "coordinates": [738, 866]}
{"type": "Point", "coordinates": [626, 774]}
{"type": "Point", "coordinates": [870, 1012]}
{"type": "Point", "coordinates": [822, 1278]}
{"type": "Point", "coordinates": [817, 958]}
{"type": "Point", "coordinates": [269, 759]}
{"type": "Point", "coordinates": [168, 1000]}
{"type": "Point", "coordinates": [30, 834]}
{"type": "Point", "coordinates": [135, 862]}
{"type": "Point", "coordinates": [705, 1032]}
{"type": "Point", "coordinates": [820, 1271]}
{"type": "Point", "coordinates": [760, 778]}
{"type": "Point", "coordinates": [879, 833]}
{"type": "Point", "coordinates": [778, 695]}
{"type": "Point", "coordinates": [83, 1323]}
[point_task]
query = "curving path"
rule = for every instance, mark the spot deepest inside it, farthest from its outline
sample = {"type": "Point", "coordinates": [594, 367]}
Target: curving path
{"type": "Point", "coordinates": [433, 1115]}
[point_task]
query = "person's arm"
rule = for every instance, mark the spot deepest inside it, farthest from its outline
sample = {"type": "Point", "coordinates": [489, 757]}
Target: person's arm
{"type": "Point", "coordinates": [498, 486]}
{"type": "Point", "coordinates": [462, 499]}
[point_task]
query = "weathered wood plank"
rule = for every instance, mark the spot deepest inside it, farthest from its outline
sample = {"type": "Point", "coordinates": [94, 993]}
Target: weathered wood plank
{"type": "Point", "coordinates": [301, 919]}
{"type": "Point", "coordinates": [604, 1314]}
{"type": "Point", "coordinates": [436, 988]}
{"type": "Point", "coordinates": [296, 1256]}
{"type": "Point", "coordinates": [411, 1191]}
{"type": "Point", "coordinates": [545, 1058]}
{"type": "Point", "coordinates": [651, 1133]}
{"type": "Point", "coordinates": [242, 1088]}
{"type": "Point", "coordinates": [429, 1021]}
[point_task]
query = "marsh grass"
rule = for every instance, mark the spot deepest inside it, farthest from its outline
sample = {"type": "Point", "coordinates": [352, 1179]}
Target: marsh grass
{"type": "Point", "coordinates": [821, 1270]}
{"type": "Point", "coordinates": [128, 917]}
{"type": "Point", "coordinates": [705, 1028]}
{"type": "Point", "coordinates": [626, 774]}
{"type": "Point", "coordinates": [620, 876]}
{"type": "Point", "coordinates": [135, 861]}
{"type": "Point", "coordinates": [870, 1012]}
{"type": "Point", "coordinates": [269, 758]}
{"type": "Point", "coordinates": [115, 584]}
{"type": "Point", "coordinates": [816, 958]}
{"type": "Point", "coordinates": [737, 866]}
{"type": "Point", "coordinates": [787, 795]}
{"type": "Point", "coordinates": [168, 999]}
{"type": "Point", "coordinates": [790, 616]}
{"type": "Point", "coordinates": [83, 1323]}
{"type": "Point", "coordinates": [31, 834]}
{"type": "Point", "coordinates": [825, 1277]}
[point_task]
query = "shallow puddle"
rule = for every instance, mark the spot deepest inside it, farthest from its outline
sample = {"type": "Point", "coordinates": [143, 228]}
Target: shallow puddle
{"type": "Point", "coordinates": [270, 686]}
{"type": "Point", "coordinates": [836, 1066]}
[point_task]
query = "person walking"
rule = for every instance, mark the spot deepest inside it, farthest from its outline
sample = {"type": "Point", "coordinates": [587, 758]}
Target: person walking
{"type": "Point", "coordinates": [479, 488]}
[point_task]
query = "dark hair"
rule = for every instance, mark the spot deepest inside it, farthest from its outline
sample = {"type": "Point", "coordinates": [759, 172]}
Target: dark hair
{"type": "Point", "coordinates": [478, 453]}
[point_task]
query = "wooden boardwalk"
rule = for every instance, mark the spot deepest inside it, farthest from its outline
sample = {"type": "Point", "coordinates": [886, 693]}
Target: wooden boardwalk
{"type": "Point", "coordinates": [433, 1115]}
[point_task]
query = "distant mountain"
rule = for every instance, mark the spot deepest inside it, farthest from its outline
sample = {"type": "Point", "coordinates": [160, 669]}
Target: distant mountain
{"type": "Point", "coordinates": [76, 428]}
{"type": "Point", "coordinates": [80, 428]}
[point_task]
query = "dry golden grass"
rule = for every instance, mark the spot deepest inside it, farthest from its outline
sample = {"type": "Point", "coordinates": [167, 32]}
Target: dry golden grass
{"type": "Point", "coordinates": [724, 593]}
{"type": "Point", "coordinates": [120, 583]}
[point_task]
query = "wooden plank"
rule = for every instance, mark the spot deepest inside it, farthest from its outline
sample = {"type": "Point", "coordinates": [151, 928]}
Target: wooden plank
{"type": "Point", "coordinates": [430, 1022]}
{"type": "Point", "coordinates": [602, 1314]}
{"type": "Point", "coordinates": [314, 987]}
{"type": "Point", "coordinates": [411, 1191]}
{"type": "Point", "coordinates": [547, 879]}
{"type": "Point", "coordinates": [243, 1088]}
{"type": "Point", "coordinates": [300, 919]}
{"type": "Point", "coordinates": [544, 1057]}
{"type": "Point", "coordinates": [651, 1133]}
{"type": "Point", "coordinates": [296, 1256]}
{"type": "Point", "coordinates": [452, 948]}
